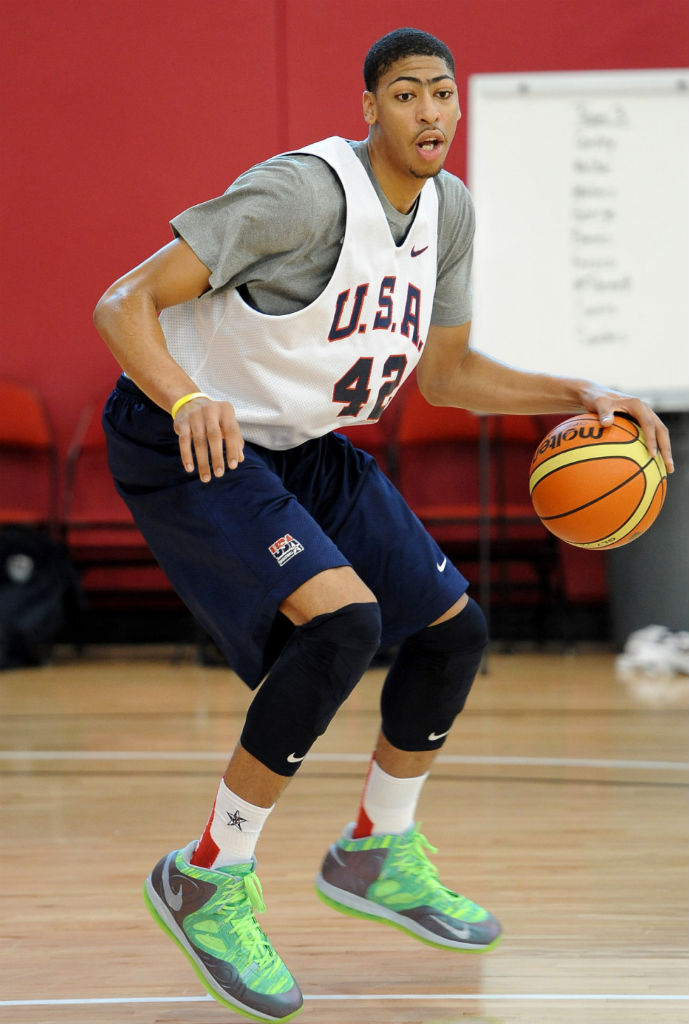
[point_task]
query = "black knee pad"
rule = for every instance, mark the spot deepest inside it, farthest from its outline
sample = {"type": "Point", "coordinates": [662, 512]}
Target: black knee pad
{"type": "Point", "coordinates": [430, 679]}
{"type": "Point", "coordinates": [316, 672]}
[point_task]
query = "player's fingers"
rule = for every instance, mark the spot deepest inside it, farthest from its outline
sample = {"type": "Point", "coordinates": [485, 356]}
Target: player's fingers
{"type": "Point", "coordinates": [647, 421]}
{"type": "Point", "coordinates": [203, 464]}
{"type": "Point", "coordinates": [209, 434]}
{"type": "Point", "coordinates": [657, 437]}
{"type": "Point", "coordinates": [656, 433]}
{"type": "Point", "coordinates": [191, 427]}
{"type": "Point", "coordinates": [186, 451]}
{"type": "Point", "coordinates": [605, 410]}
{"type": "Point", "coordinates": [233, 440]}
{"type": "Point", "coordinates": [216, 449]}
{"type": "Point", "coordinates": [663, 435]}
{"type": "Point", "coordinates": [225, 442]}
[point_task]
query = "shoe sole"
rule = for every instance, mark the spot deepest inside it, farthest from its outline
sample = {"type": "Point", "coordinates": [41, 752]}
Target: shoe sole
{"type": "Point", "coordinates": [357, 906]}
{"type": "Point", "coordinates": [158, 912]}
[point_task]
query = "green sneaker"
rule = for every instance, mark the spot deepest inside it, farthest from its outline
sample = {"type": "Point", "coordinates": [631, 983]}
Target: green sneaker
{"type": "Point", "coordinates": [210, 915]}
{"type": "Point", "coordinates": [389, 878]}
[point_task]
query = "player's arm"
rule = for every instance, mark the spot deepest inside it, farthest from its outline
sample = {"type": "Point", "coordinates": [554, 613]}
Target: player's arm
{"type": "Point", "coordinates": [126, 317]}
{"type": "Point", "coordinates": [451, 373]}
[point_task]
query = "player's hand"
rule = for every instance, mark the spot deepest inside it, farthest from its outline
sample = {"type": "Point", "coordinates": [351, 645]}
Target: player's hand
{"type": "Point", "coordinates": [605, 403]}
{"type": "Point", "coordinates": [208, 431]}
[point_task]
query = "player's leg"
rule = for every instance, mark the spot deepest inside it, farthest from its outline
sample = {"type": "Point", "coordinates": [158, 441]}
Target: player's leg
{"type": "Point", "coordinates": [403, 763]}
{"type": "Point", "coordinates": [379, 867]}
{"type": "Point", "coordinates": [236, 550]}
{"type": "Point", "coordinates": [317, 669]}
{"type": "Point", "coordinates": [337, 632]}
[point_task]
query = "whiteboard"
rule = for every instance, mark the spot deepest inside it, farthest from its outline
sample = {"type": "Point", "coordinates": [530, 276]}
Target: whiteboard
{"type": "Point", "coordinates": [581, 255]}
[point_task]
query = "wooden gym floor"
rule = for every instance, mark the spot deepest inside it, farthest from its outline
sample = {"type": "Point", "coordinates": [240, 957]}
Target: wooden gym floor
{"type": "Point", "coordinates": [559, 801]}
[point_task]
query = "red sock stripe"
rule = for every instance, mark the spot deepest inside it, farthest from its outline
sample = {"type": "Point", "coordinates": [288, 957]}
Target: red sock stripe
{"type": "Point", "coordinates": [205, 853]}
{"type": "Point", "coordinates": [364, 825]}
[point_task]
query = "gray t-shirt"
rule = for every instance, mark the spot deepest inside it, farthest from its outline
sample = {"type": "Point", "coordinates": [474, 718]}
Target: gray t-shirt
{"type": "Point", "coordinates": [276, 234]}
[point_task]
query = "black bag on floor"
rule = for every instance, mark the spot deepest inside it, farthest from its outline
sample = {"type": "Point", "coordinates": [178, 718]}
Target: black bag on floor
{"type": "Point", "coordinates": [37, 584]}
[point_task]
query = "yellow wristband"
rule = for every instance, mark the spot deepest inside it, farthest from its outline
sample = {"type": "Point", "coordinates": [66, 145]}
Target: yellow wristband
{"type": "Point", "coordinates": [184, 399]}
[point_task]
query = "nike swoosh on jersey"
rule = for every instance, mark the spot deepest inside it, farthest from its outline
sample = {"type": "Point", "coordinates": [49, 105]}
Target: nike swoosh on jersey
{"type": "Point", "coordinates": [440, 566]}
{"type": "Point", "coordinates": [417, 252]}
{"type": "Point", "coordinates": [293, 759]}
{"type": "Point", "coordinates": [437, 735]}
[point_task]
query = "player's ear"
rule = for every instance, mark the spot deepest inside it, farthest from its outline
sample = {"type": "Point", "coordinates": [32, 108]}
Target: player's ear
{"type": "Point", "coordinates": [370, 109]}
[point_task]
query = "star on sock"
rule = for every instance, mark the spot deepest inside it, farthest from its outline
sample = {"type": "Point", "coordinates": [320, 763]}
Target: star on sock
{"type": "Point", "coordinates": [235, 819]}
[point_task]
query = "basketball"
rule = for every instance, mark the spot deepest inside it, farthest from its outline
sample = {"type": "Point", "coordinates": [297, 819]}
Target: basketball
{"type": "Point", "coordinates": [597, 487]}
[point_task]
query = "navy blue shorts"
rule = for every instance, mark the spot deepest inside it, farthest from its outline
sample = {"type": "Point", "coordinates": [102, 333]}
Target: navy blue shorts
{"type": "Point", "coordinates": [236, 547]}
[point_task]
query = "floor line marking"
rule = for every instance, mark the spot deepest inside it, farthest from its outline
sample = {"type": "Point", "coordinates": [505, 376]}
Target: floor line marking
{"type": "Point", "coordinates": [382, 997]}
{"type": "Point", "coordinates": [202, 755]}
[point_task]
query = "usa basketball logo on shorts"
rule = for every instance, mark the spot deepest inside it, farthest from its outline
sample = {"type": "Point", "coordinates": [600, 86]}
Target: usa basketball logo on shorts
{"type": "Point", "coordinates": [285, 548]}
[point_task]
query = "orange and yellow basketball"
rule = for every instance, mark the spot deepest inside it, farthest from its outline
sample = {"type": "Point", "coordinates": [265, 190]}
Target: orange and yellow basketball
{"type": "Point", "coordinates": [596, 487]}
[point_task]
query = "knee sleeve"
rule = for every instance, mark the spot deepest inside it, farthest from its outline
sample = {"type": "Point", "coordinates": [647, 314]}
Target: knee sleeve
{"type": "Point", "coordinates": [317, 670]}
{"type": "Point", "coordinates": [430, 679]}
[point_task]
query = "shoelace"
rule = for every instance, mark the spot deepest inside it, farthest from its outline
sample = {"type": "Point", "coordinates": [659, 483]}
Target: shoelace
{"type": "Point", "coordinates": [239, 913]}
{"type": "Point", "coordinates": [411, 856]}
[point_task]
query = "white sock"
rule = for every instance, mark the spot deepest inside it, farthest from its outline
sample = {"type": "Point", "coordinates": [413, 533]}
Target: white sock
{"type": "Point", "coordinates": [232, 831]}
{"type": "Point", "coordinates": [388, 803]}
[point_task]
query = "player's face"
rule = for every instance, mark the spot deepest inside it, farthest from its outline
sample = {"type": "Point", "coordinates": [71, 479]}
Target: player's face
{"type": "Point", "coordinates": [412, 117]}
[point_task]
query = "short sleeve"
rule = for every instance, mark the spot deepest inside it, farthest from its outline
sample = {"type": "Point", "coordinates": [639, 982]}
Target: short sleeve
{"type": "Point", "coordinates": [276, 211]}
{"type": "Point", "coordinates": [452, 304]}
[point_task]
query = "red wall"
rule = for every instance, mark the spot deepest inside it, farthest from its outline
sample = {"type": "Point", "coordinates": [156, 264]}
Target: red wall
{"type": "Point", "coordinates": [120, 114]}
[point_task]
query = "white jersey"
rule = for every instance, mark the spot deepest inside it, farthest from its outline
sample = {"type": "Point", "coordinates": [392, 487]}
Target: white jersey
{"type": "Point", "coordinates": [340, 359]}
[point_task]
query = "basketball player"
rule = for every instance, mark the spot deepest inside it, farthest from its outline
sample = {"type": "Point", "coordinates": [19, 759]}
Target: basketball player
{"type": "Point", "coordinates": [296, 303]}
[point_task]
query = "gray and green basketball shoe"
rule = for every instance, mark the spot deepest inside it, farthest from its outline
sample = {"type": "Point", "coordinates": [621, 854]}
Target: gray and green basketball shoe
{"type": "Point", "coordinates": [210, 915]}
{"type": "Point", "coordinates": [389, 878]}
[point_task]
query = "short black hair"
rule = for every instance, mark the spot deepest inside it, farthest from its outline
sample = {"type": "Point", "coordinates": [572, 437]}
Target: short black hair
{"type": "Point", "coordinates": [402, 42]}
